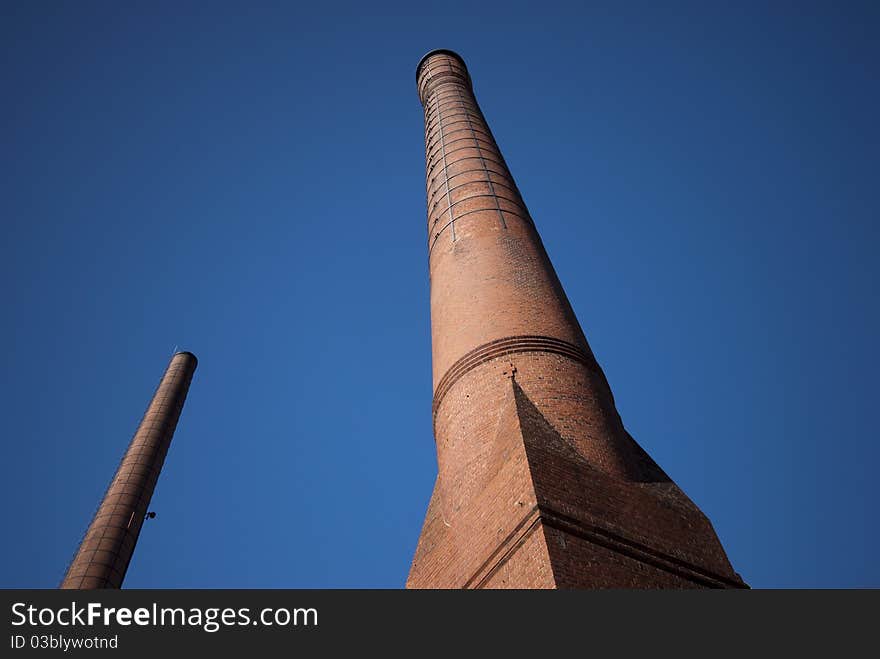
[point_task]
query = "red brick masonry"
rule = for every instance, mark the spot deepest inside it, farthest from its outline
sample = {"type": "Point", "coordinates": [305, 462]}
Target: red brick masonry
{"type": "Point", "coordinates": [106, 549]}
{"type": "Point", "coordinates": [539, 484]}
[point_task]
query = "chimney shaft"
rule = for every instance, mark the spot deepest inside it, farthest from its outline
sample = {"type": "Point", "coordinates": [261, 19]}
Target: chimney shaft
{"type": "Point", "coordinates": [524, 420]}
{"type": "Point", "coordinates": [105, 552]}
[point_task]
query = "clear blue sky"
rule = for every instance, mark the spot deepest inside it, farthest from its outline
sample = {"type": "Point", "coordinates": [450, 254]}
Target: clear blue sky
{"type": "Point", "coordinates": [245, 181]}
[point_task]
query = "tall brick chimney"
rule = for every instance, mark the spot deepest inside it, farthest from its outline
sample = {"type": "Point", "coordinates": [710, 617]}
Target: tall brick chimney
{"type": "Point", "coordinates": [539, 484]}
{"type": "Point", "coordinates": [106, 549]}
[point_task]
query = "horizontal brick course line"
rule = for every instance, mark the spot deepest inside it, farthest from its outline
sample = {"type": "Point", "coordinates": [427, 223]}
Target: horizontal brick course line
{"type": "Point", "coordinates": [445, 95]}
{"type": "Point", "coordinates": [433, 123]}
{"type": "Point", "coordinates": [467, 171]}
{"type": "Point", "coordinates": [463, 78]}
{"type": "Point", "coordinates": [507, 346]}
{"type": "Point", "coordinates": [516, 202]}
{"type": "Point", "coordinates": [488, 142]}
{"type": "Point", "coordinates": [504, 173]}
{"type": "Point", "coordinates": [430, 133]}
{"type": "Point", "coordinates": [439, 88]}
{"type": "Point", "coordinates": [475, 143]}
{"type": "Point", "coordinates": [429, 168]}
{"type": "Point", "coordinates": [500, 163]}
{"type": "Point", "coordinates": [434, 202]}
{"type": "Point", "coordinates": [431, 143]}
{"type": "Point", "coordinates": [506, 183]}
{"type": "Point", "coordinates": [595, 535]}
{"type": "Point", "coordinates": [635, 550]}
{"type": "Point", "coordinates": [439, 77]}
{"type": "Point", "coordinates": [443, 74]}
{"type": "Point", "coordinates": [447, 101]}
{"type": "Point", "coordinates": [433, 79]}
{"type": "Point", "coordinates": [456, 110]}
{"type": "Point", "coordinates": [485, 140]}
{"type": "Point", "coordinates": [440, 67]}
{"type": "Point", "coordinates": [432, 119]}
{"type": "Point", "coordinates": [491, 209]}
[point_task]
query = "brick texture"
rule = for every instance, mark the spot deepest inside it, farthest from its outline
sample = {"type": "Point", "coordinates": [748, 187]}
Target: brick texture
{"type": "Point", "coordinates": [539, 484]}
{"type": "Point", "coordinates": [106, 549]}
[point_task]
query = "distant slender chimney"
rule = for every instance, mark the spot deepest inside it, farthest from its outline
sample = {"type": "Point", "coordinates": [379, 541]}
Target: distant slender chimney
{"type": "Point", "coordinates": [539, 483]}
{"type": "Point", "coordinates": [104, 554]}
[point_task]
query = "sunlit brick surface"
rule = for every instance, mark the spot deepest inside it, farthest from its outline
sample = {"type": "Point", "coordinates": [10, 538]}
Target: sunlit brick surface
{"type": "Point", "coordinates": [106, 549]}
{"type": "Point", "coordinates": [539, 483]}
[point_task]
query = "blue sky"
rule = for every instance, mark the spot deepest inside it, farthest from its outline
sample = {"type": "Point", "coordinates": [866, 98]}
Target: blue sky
{"type": "Point", "coordinates": [245, 181]}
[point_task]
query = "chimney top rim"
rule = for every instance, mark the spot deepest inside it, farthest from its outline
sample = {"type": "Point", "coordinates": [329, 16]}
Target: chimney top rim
{"type": "Point", "coordinates": [185, 352]}
{"type": "Point", "coordinates": [438, 51]}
